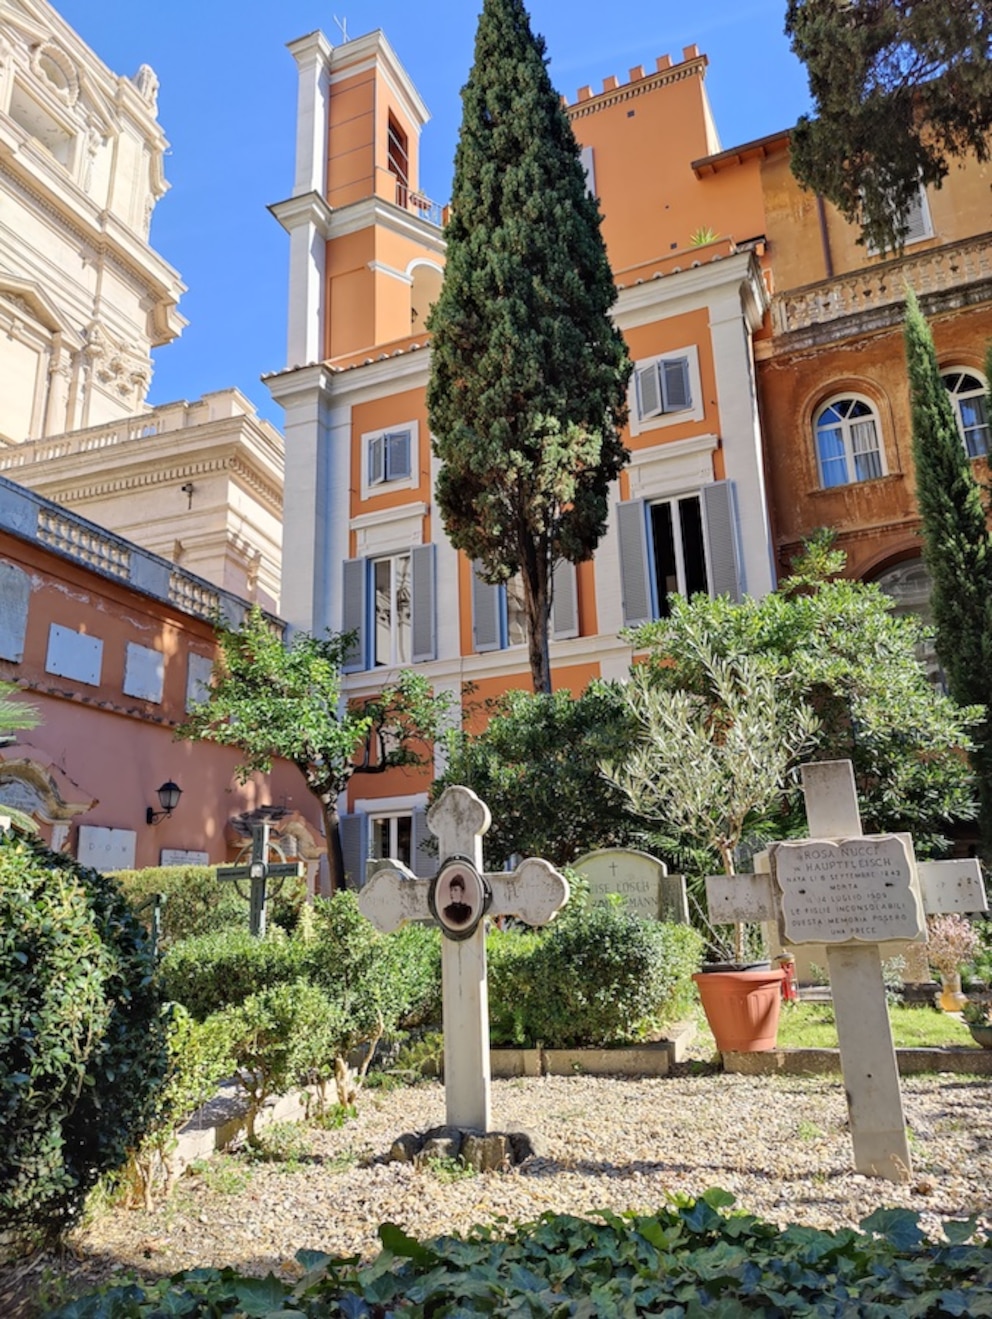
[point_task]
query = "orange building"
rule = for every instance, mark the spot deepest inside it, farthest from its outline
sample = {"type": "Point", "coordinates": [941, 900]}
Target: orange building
{"type": "Point", "coordinates": [365, 549]}
{"type": "Point", "coordinates": [110, 643]}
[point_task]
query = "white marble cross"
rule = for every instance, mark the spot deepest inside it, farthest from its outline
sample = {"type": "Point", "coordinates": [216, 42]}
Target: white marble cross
{"type": "Point", "coordinates": [852, 893]}
{"type": "Point", "coordinates": [458, 898]}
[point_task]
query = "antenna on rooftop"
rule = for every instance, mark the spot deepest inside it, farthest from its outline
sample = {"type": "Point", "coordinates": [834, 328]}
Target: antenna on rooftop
{"type": "Point", "coordinates": [343, 25]}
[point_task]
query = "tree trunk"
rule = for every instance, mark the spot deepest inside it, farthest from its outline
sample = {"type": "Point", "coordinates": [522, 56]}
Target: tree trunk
{"type": "Point", "coordinates": [335, 853]}
{"type": "Point", "coordinates": [536, 576]}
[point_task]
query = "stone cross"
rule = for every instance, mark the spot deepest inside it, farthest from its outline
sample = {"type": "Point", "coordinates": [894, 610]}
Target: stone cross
{"type": "Point", "coordinates": [258, 871]}
{"type": "Point", "coordinates": [852, 893]}
{"type": "Point", "coordinates": [458, 899]}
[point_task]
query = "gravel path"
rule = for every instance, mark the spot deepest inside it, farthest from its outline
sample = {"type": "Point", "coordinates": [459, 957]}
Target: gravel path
{"type": "Point", "coordinates": [780, 1145]}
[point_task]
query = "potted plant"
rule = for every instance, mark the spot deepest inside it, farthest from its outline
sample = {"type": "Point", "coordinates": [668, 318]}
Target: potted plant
{"type": "Point", "coordinates": [977, 1014]}
{"type": "Point", "coordinates": [952, 940]}
{"type": "Point", "coordinates": [708, 765]}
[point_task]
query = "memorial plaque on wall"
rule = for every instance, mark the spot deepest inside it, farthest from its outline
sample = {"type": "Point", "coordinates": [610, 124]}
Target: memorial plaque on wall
{"type": "Point", "coordinates": [860, 890]}
{"type": "Point", "coordinates": [106, 849]}
{"type": "Point", "coordinates": [177, 856]}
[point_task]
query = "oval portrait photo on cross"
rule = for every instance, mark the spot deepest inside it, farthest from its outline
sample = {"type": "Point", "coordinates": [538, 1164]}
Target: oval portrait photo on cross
{"type": "Point", "coordinates": [458, 898]}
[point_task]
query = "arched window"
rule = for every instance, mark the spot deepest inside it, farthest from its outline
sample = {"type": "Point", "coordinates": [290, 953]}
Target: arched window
{"type": "Point", "coordinates": [848, 446]}
{"type": "Point", "coordinates": [968, 397]}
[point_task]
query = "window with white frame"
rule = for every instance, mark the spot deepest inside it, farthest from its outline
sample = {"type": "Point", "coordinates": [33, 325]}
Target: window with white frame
{"type": "Point", "coordinates": [848, 442]}
{"type": "Point", "coordinates": [684, 544]}
{"type": "Point", "coordinates": [969, 398]}
{"type": "Point", "coordinates": [499, 618]}
{"type": "Point", "coordinates": [391, 610]}
{"type": "Point", "coordinates": [389, 459]}
{"type": "Point", "coordinates": [916, 222]}
{"type": "Point", "coordinates": [665, 390]}
{"type": "Point", "coordinates": [394, 828]}
{"type": "Point", "coordinates": [391, 835]}
{"type": "Point", "coordinates": [388, 605]}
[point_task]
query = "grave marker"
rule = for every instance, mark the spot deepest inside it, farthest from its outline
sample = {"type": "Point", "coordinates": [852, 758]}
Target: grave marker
{"type": "Point", "coordinates": [643, 881]}
{"type": "Point", "coordinates": [853, 894]}
{"type": "Point", "coordinates": [458, 899]}
{"type": "Point", "coordinates": [258, 871]}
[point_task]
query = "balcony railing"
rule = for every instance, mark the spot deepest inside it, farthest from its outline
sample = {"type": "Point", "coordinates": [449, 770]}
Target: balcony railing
{"type": "Point", "coordinates": [878, 288]}
{"type": "Point", "coordinates": [420, 206]}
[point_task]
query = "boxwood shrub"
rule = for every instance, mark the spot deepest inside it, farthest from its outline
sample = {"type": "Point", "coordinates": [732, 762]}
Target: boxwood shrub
{"type": "Point", "coordinates": [597, 976]}
{"type": "Point", "coordinates": [214, 971]}
{"type": "Point", "coordinates": [82, 1037]}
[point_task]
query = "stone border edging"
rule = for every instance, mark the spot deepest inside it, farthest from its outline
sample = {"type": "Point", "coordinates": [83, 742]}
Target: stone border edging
{"type": "Point", "coordinates": [824, 1062]}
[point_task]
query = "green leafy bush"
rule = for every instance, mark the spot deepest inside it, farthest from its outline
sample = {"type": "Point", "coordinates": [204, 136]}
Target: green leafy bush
{"type": "Point", "coordinates": [215, 971]}
{"type": "Point", "coordinates": [197, 902]}
{"type": "Point", "coordinates": [199, 1059]}
{"type": "Point", "coordinates": [282, 1036]}
{"type": "Point", "coordinates": [688, 1259]}
{"type": "Point", "coordinates": [81, 1035]}
{"type": "Point", "coordinates": [597, 976]}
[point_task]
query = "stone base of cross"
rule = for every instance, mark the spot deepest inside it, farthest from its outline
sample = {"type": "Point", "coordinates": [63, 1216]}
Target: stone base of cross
{"type": "Point", "coordinates": [458, 899]}
{"type": "Point", "coordinates": [854, 894]}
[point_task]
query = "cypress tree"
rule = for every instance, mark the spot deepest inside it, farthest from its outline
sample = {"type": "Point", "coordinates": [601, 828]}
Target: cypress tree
{"type": "Point", "coordinates": [527, 394]}
{"type": "Point", "coordinates": [957, 548]}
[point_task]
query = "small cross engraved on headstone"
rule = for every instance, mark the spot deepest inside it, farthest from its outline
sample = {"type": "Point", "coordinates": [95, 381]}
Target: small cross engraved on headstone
{"type": "Point", "coordinates": [852, 893]}
{"type": "Point", "coordinates": [458, 899]}
{"type": "Point", "coordinates": [259, 871]}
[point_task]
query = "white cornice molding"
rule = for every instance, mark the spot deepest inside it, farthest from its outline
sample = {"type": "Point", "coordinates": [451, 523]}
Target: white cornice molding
{"type": "Point", "coordinates": [307, 208]}
{"type": "Point", "coordinates": [384, 516]}
{"type": "Point", "coordinates": [370, 211]}
{"type": "Point", "coordinates": [310, 48]}
{"type": "Point", "coordinates": [645, 301]}
{"type": "Point", "coordinates": [380, 268]}
{"type": "Point", "coordinates": [363, 53]}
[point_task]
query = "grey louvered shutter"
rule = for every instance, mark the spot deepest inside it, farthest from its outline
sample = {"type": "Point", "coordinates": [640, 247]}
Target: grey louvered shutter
{"type": "Point", "coordinates": [353, 612]}
{"type": "Point", "coordinates": [565, 602]}
{"type": "Point", "coordinates": [354, 832]}
{"type": "Point", "coordinates": [648, 391]}
{"type": "Point", "coordinates": [485, 614]}
{"type": "Point", "coordinates": [635, 571]}
{"type": "Point", "coordinates": [377, 459]}
{"type": "Point", "coordinates": [915, 219]}
{"type": "Point", "coordinates": [675, 382]}
{"type": "Point", "coordinates": [720, 529]}
{"type": "Point", "coordinates": [397, 455]}
{"type": "Point", "coordinates": [423, 850]}
{"type": "Point", "coordinates": [422, 606]}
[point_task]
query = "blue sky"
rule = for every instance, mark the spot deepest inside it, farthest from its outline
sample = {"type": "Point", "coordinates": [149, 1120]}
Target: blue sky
{"type": "Point", "coordinates": [227, 105]}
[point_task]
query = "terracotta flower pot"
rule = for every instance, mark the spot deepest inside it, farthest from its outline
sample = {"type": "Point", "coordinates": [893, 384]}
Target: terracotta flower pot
{"type": "Point", "coordinates": [742, 1008]}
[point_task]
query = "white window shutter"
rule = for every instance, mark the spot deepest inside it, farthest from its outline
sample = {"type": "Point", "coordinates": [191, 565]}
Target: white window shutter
{"type": "Point", "coordinates": [586, 157]}
{"type": "Point", "coordinates": [423, 863]}
{"type": "Point", "coordinates": [722, 540]}
{"type": "Point", "coordinates": [635, 572]}
{"type": "Point", "coordinates": [422, 606]}
{"type": "Point", "coordinates": [565, 602]}
{"type": "Point", "coordinates": [916, 219]}
{"type": "Point", "coordinates": [377, 460]}
{"type": "Point", "coordinates": [486, 610]}
{"type": "Point", "coordinates": [353, 612]}
{"type": "Point", "coordinates": [397, 455]}
{"type": "Point", "coordinates": [675, 384]}
{"type": "Point", "coordinates": [649, 402]}
{"type": "Point", "coordinates": [354, 845]}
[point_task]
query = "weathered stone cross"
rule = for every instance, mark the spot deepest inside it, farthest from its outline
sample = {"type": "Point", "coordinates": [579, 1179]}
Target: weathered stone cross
{"type": "Point", "coordinates": [853, 894]}
{"type": "Point", "coordinates": [458, 899]}
{"type": "Point", "coordinates": [259, 872]}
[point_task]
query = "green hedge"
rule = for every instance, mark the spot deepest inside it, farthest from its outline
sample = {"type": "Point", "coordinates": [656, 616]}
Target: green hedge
{"type": "Point", "coordinates": [197, 902]}
{"type": "Point", "coordinates": [215, 971]}
{"type": "Point", "coordinates": [82, 1039]}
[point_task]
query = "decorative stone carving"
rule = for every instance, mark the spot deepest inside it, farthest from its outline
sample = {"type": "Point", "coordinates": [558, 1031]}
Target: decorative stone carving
{"type": "Point", "coordinates": [146, 81]}
{"type": "Point", "coordinates": [121, 366]}
{"type": "Point", "coordinates": [57, 71]}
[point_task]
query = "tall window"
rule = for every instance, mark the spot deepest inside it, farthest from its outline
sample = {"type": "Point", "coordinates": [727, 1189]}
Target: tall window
{"type": "Point", "coordinates": [391, 603]}
{"type": "Point", "coordinates": [389, 457]}
{"type": "Point", "coordinates": [678, 550]}
{"type": "Point", "coordinates": [391, 836]}
{"type": "Point", "coordinates": [398, 159]}
{"type": "Point", "coordinates": [968, 398]}
{"type": "Point", "coordinates": [847, 442]}
{"type": "Point", "coordinates": [663, 386]}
